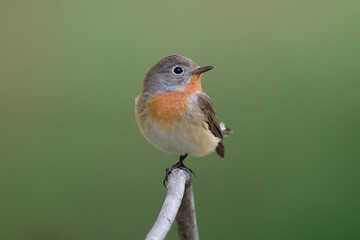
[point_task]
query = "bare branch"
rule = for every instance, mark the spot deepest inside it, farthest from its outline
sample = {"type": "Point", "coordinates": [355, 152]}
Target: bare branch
{"type": "Point", "coordinates": [179, 183]}
{"type": "Point", "coordinates": [186, 218]}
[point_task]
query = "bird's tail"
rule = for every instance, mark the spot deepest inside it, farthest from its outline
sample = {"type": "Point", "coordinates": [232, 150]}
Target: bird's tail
{"type": "Point", "coordinates": [225, 130]}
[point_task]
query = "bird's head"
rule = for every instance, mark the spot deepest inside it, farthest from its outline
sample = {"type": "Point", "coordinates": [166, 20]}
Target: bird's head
{"type": "Point", "coordinates": [172, 73]}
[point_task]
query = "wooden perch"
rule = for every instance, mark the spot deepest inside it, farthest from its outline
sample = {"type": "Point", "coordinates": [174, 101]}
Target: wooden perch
{"type": "Point", "coordinates": [179, 203]}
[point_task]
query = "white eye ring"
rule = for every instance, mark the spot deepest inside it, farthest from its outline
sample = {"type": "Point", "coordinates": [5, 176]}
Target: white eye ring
{"type": "Point", "coordinates": [178, 70]}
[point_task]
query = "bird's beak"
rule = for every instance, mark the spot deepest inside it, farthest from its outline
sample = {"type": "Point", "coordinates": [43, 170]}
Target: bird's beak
{"type": "Point", "coordinates": [201, 70]}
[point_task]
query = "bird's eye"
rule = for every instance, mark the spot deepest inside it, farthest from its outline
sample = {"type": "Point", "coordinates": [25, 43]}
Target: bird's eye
{"type": "Point", "coordinates": [178, 70]}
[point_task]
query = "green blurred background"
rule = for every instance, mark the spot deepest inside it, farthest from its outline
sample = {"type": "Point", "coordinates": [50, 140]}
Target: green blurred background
{"type": "Point", "coordinates": [73, 164]}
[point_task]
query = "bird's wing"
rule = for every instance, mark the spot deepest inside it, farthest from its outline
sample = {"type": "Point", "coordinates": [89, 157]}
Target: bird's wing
{"type": "Point", "coordinates": [210, 118]}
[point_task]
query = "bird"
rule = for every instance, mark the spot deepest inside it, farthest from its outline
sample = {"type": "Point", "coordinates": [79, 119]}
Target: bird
{"type": "Point", "coordinates": [175, 115]}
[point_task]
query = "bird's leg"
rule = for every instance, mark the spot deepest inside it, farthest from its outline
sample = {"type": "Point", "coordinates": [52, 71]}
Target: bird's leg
{"type": "Point", "coordinates": [180, 165]}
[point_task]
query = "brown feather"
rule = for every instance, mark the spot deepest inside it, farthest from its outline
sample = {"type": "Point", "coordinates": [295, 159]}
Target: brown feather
{"type": "Point", "coordinates": [210, 118]}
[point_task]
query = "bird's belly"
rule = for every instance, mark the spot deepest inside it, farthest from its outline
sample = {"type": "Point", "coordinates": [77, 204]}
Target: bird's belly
{"type": "Point", "coordinates": [181, 137]}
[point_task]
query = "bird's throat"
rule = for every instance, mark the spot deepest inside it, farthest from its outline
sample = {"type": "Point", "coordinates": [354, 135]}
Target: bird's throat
{"type": "Point", "coordinates": [194, 85]}
{"type": "Point", "coordinates": [168, 107]}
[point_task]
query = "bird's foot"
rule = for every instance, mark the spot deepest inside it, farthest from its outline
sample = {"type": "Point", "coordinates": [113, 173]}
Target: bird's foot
{"type": "Point", "coordinates": [179, 165]}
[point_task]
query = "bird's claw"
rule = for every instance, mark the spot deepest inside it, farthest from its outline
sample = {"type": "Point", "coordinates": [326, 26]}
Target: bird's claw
{"type": "Point", "coordinates": [180, 166]}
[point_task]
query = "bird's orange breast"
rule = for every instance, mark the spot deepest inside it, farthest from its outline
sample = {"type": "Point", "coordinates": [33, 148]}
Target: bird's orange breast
{"type": "Point", "coordinates": [169, 107]}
